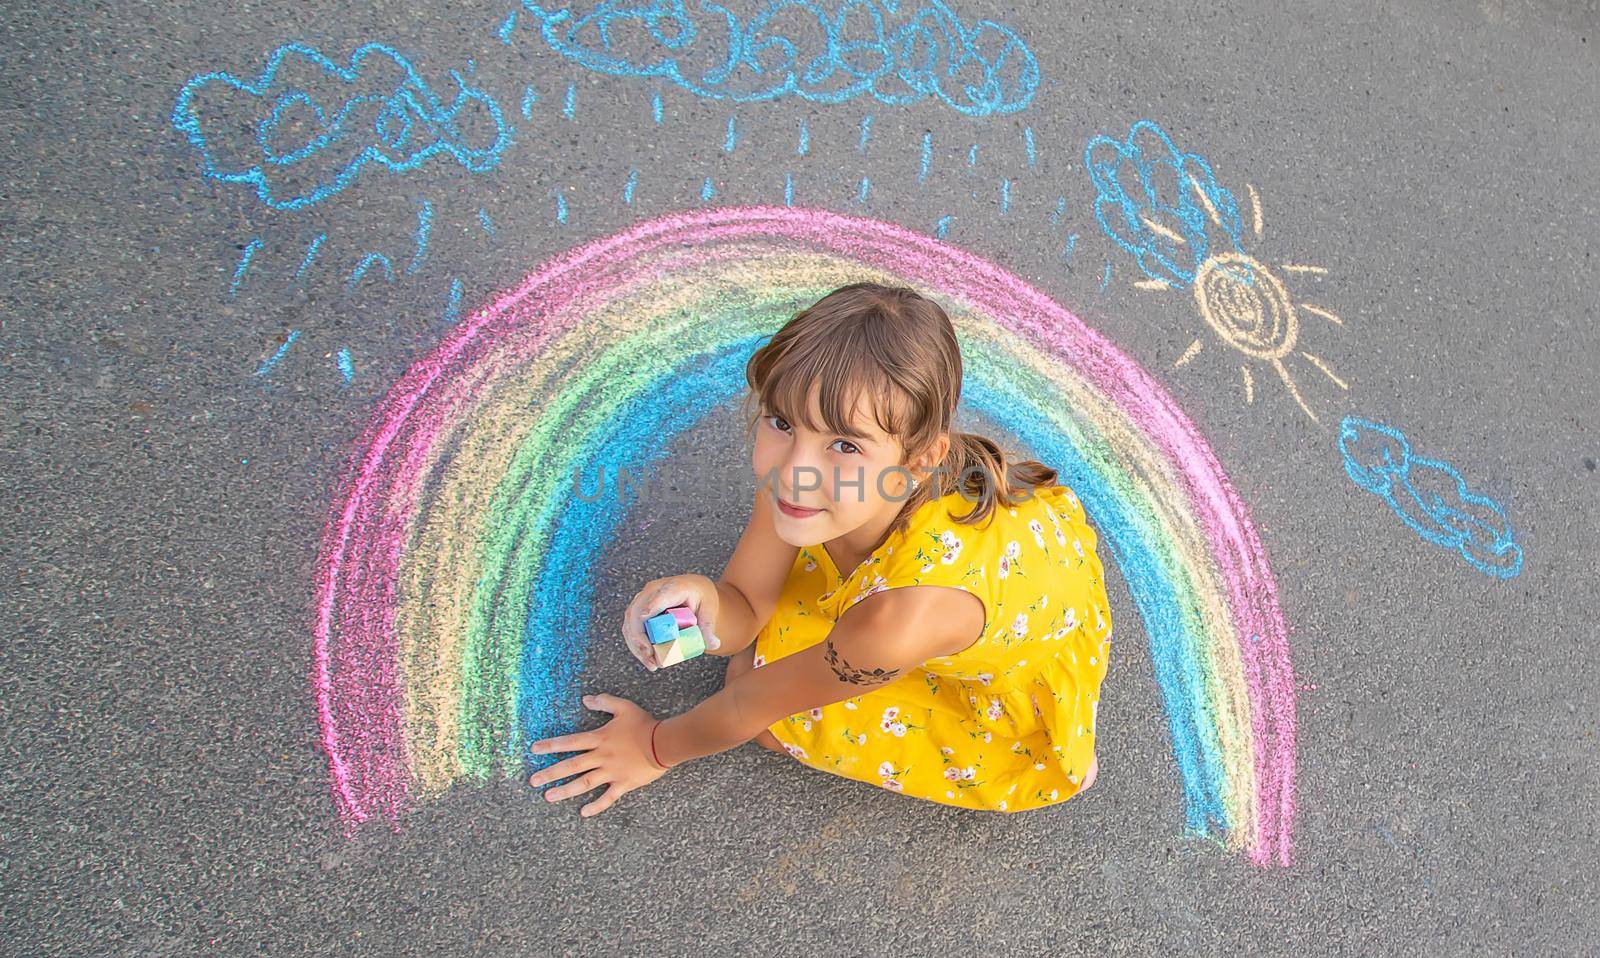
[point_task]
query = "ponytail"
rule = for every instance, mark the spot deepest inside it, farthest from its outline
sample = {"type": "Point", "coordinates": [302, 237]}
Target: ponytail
{"type": "Point", "coordinates": [977, 468]}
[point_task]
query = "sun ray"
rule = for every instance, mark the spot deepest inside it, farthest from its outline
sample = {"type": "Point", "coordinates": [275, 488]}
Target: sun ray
{"type": "Point", "coordinates": [1283, 374]}
{"type": "Point", "coordinates": [1158, 228]}
{"type": "Point", "coordinates": [1323, 313]}
{"type": "Point", "coordinates": [1324, 367]}
{"type": "Point", "coordinates": [1154, 284]}
{"type": "Point", "coordinates": [1255, 207]}
{"type": "Point", "coordinates": [1204, 199]}
{"type": "Point", "coordinates": [1188, 354]}
{"type": "Point", "coordinates": [1249, 385]}
{"type": "Point", "coordinates": [1299, 268]}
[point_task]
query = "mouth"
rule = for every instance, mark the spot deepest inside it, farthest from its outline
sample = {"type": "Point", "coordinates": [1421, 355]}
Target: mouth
{"type": "Point", "coordinates": [794, 511]}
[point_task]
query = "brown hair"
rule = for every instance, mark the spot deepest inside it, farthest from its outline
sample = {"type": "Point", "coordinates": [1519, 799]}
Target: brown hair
{"type": "Point", "coordinates": [898, 348]}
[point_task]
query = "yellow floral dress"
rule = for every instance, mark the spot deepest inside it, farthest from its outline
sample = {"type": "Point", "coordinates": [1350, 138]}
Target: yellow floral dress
{"type": "Point", "coordinates": [1006, 725]}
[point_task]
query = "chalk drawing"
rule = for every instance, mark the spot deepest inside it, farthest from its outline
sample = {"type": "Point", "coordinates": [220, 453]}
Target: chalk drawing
{"type": "Point", "coordinates": [731, 139]}
{"type": "Point", "coordinates": [941, 229]}
{"type": "Point", "coordinates": [452, 305]}
{"type": "Point", "coordinates": [630, 186]}
{"type": "Point", "coordinates": [507, 27]}
{"type": "Point", "coordinates": [561, 207]}
{"type": "Point", "coordinates": [1429, 496]}
{"type": "Point", "coordinates": [707, 191]}
{"type": "Point", "coordinates": [347, 368]}
{"type": "Point", "coordinates": [311, 254]}
{"type": "Point", "coordinates": [456, 581]}
{"type": "Point", "coordinates": [895, 53]}
{"type": "Point", "coordinates": [424, 227]}
{"type": "Point", "coordinates": [972, 157]}
{"type": "Point", "coordinates": [249, 254]}
{"type": "Point", "coordinates": [1005, 196]}
{"type": "Point", "coordinates": [303, 153]}
{"type": "Point", "coordinates": [1027, 144]}
{"type": "Point", "coordinates": [271, 361]}
{"type": "Point", "coordinates": [804, 146]}
{"type": "Point", "coordinates": [788, 189]}
{"type": "Point", "coordinates": [861, 197]}
{"type": "Point", "coordinates": [529, 98]}
{"type": "Point", "coordinates": [927, 157]}
{"type": "Point", "coordinates": [367, 262]}
{"type": "Point", "coordinates": [485, 221]}
{"type": "Point", "coordinates": [866, 131]}
{"type": "Point", "coordinates": [655, 107]}
{"type": "Point", "coordinates": [1153, 201]}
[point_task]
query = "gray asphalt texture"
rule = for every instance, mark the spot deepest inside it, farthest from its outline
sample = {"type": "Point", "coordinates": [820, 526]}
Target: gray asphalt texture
{"type": "Point", "coordinates": [163, 789]}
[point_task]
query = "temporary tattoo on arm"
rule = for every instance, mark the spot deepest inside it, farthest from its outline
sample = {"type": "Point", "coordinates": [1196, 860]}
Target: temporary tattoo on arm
{"type": "Point", "coordinates": [849, 673]}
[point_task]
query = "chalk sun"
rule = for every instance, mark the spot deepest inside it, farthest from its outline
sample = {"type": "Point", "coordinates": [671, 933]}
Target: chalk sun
{"type": "Point", "coordinates": [1249, 308]}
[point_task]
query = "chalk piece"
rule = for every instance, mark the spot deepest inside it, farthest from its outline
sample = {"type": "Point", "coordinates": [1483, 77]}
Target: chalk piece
{"type": "Point", "coordinates": [661, 628]}
{"type": "Point", "coordinates": [684, 616]}
{"type": "Point", "coordinates": [690, 643]}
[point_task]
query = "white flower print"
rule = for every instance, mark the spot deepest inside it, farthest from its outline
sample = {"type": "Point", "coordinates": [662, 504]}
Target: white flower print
{"type": "Point", "coordinates": [892, 785]}
{"type": "Point", "coordinates": [891, 713]}
{"type": "Point", "coordinates": [1014, 549]}
{"type": "Point", "coordinates": [947, 750]}
{"type": "Point", "coordinates": [1005, 566]}
{"type": "Point", "coordinates": [1094, 714]}
{"type": "Point", "coordinates": [816, 715]}
{"type": "Point", "coordinates": [1002, 804]}
{"type": "Point", "coordinates": [1037, 528]}
{"type": "Point", "coordinates": [952, 774]}
{"type": "Point", "coordinates": [927, 568]}
{"type": "Point", "coordinates": [1061, 537]}
{"type": "Point", "coordinates": [985, 677]}
{"type": "Point", "coordinates": [850, 705]}
{"type": "Point", "coordinates": [1053, 794]}
{"type": "Point", "coordinates": [950, 540]}
{"type": "Point", "coordinates": [886, 769]}
{"type": "Point", "coordinates": [1019, 625]}
{"type": "Point", "coordinates": [988, 736]}
{"type": "Point", "coordinates": [968, 773]}
{"type": "Point", "coordinates": [811, 566]}
{"type": "Point", "coordinates": [1038, 766]}
{"type": "Point", "coordinates": [1077, 546]}
{"type": "Point", "coordinates": [795, 750]}
{"type": "Point", "coordinates": [758, 662]}
{"type": "Point", "coordinates": [949, 557]}
{"type": "Point", "coordinates": [899, 729]}
{"type": "Point", "coordinates": [1070, 620]}
{"type": "Point", "coordinates": [994, 711]}
{"type": "Point", "coordinates": [861, 738]}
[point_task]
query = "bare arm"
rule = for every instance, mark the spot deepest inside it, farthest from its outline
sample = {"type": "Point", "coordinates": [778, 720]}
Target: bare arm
{"type": "Point", "coordinates": [754, 578]}
{"type": "Point", "coordinates": [880, 639]}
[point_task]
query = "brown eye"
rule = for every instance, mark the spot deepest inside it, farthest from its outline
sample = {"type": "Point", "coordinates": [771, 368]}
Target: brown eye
{"type": "Point", "coordinates": [853, 448]}
{"type": "Point", "coordinates": [775, 420]}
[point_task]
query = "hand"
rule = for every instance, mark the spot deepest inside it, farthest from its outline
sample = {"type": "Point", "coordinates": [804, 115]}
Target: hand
{"type": "Point", "coordinates": [697, 592]}
{"type": "Point", "coordinates": [618, 754]}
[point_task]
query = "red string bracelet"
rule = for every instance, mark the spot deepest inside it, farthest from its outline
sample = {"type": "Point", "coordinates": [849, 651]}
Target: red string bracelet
{"type": "Point", "coordinates": [653, 755]}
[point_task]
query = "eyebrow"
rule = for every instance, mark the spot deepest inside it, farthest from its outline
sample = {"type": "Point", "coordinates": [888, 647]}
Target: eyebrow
{"type": "Point", "coordinates": [851, 433]}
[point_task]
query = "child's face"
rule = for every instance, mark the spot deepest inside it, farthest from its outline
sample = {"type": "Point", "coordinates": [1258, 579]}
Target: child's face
{"type": "Point", "coordinates": [847, 480]}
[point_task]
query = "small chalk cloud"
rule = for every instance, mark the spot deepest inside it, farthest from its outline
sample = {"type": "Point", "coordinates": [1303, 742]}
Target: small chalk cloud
{"type": "Point", "coordinates": [295, 151]}
{"type": "Point", "coordinates": [828, 53]}
{"type": "Point", "coordinates": [1430, 496]}
{"type": "Point", "coordinates": [1160, 204]}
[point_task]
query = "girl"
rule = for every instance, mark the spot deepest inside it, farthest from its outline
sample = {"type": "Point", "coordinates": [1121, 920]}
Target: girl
{"type": "Point", "coordinates": [905, 608]}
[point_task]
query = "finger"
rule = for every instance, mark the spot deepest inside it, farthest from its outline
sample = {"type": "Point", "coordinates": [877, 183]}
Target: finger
{"type": "Point", "coordinates": [633, 632]}
{"type": "Point", "coordinates": [583, 783]}
{"type": "Point", "coordinates": [564, 743]}
{"type": "Point", "coordinates": [605, 703]}
{"type": "Point", "coordinates": [564, 769]}
{"type": "Point", "coordinates": [604, 802]}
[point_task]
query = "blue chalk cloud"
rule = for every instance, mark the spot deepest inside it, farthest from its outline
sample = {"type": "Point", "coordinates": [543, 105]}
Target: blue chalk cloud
{"type": "Point", "coordinates": [1429, 496]}
{"type": "Point", "coordinates": [386, 113]}
{"type": "Point", "coordinates": [1144, 182]}
{"type": "Point", "coordinates": [826, 53]}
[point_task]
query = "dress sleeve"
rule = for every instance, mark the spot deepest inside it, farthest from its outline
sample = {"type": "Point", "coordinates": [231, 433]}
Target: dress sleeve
{"type": "Point", "coordinates": [946, 554]}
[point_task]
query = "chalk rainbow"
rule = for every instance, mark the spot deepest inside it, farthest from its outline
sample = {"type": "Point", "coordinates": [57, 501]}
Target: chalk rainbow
{"type": "Point", "coordinates": [454, 591]}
